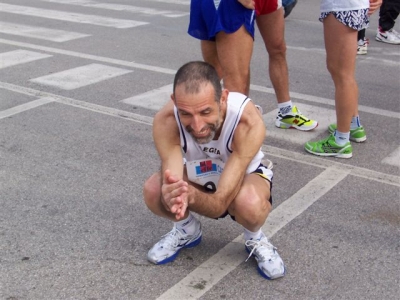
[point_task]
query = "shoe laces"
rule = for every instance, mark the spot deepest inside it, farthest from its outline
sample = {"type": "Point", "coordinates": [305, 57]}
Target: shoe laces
{"type": "Point", "coordinates": [171, 239]}
{"type": "Point", "coordinates": [263, 248]}
{"type": "Point", "coordinates": [298, 114]}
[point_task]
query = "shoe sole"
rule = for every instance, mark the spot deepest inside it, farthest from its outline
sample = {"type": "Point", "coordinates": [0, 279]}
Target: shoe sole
{"type": "Point", "coordinates": [387, 42]}
{"type": "Point", "coordinates": [338, 155]}
{"type": "Point", "coordinates": [270, 278]}
{"type": "Point", "coordinates": [357, 140]}
{"type": "Point", "coordinates": [283, 125]}
{"type": "Point", "coordinates": [172, 257]}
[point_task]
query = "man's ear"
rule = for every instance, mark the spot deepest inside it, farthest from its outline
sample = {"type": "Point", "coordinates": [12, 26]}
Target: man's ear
{"type": "Point", "coordinates": [173, 97]}
{"type": "Point", "coordinates": [224, 96]}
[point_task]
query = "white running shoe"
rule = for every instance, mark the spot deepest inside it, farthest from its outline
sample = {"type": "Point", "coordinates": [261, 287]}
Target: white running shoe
{"type": "Point", "coordinates": [270, 264]}
{"type": "Point", "coordinates": [167, 249]}
{"type": "Point", "coordinates": [391, 36]}
{"type": "Point", "coordinates": [362, 46]}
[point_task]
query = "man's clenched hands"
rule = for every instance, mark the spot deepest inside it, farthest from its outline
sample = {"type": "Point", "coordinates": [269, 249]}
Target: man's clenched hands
{"type": "Point", "coordinates": [174, 194]}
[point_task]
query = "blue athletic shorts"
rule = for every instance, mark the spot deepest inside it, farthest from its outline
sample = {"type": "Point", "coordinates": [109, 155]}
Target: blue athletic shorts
{"type": "Point", "coordinates": [208, 17]}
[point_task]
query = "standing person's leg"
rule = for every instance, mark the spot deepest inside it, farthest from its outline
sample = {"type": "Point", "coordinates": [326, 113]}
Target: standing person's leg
{"type": "Point", "coordinates": [362, 42]}
{"type": "Point", "coordinates": [210, 55]}
{"type": "Point", "coordinates": [341, 50]}
{"type": "Point", "coordinates": [388, 13]}
{"type": "Point", "coordinates": [272, 29]}
{"type": "Point", "coordinates": [234, 55]}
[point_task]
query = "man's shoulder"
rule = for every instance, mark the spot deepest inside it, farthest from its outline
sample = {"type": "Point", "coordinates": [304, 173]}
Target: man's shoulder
{"type": "Point", "coordinates": [166, 114]}
{"type": "Point", "coordinates": [237, 96]}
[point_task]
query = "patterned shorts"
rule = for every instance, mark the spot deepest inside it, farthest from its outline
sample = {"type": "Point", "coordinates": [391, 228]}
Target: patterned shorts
{"type": "Point", "coordinates": [356, 19]}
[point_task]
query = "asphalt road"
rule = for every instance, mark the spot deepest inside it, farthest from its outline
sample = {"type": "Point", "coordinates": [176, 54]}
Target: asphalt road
{"type": "Point", "coordinates": [80, 82]}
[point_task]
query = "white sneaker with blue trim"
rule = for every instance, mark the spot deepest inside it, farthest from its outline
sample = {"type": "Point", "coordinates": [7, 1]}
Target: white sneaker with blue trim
{"type": "Point", "coordinates": [167, 249]}
{"type": "Point", "coordinates": [270, 264]}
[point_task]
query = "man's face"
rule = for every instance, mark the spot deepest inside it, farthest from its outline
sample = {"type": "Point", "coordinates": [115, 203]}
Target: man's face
{"type": "Point", "coordinates": [199, 113]}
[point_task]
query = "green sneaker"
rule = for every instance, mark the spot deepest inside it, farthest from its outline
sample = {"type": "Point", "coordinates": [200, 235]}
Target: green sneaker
{"type": "Point", "coordinates": [328, 147]}
{"type": "Point", "coordinates": [295, 119]}
{"type": "Point", "coordinates": [356, 135]}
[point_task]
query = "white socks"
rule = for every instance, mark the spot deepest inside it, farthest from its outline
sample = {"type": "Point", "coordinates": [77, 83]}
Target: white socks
{"type": "Point", "coordinates": [285, 107]}
{"type": "Point", "coordinates": [355, 122]}
{"type": "Point", "coordinates": [342, 138]}
{"type": "Point", "coordinates": [187, 225]}
{"type": "Point", "coordinates": [250, 235]}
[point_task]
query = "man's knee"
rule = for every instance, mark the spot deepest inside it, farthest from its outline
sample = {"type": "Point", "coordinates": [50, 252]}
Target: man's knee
{"type": "Point", "coordinates": [251, 206]}
{"type": "Point", "coordinates": [276, 49]}
{"type": "Point", "coordinates": [152, 190]}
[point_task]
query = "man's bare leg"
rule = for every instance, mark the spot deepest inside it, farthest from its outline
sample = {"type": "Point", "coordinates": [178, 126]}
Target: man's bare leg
{"type": "Point", "coordinates": [234, 54]}
{"type": "Point", "coordinates": [272, 30]}
{"type": "Point", "coordinates": [341, 52]}
{"type": "Point", "coordinates": [210, 55]}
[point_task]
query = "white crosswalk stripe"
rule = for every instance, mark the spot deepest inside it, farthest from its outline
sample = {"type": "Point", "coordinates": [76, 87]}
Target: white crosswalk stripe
{"type": "Point", "coordinates": [153, 99]}
{"type": "Point", "coordinates": [80, 77]}
{"type": "Point", "coordinates": [121, 7]}
{"type": "Point", "coordinates": [17, 57]}
{"type": "Point", "coordinates": [393, 158]}
{"type": "Point", "coordinates": [69, 16]}
{"type": "Point", "coordinates": [41, 33]}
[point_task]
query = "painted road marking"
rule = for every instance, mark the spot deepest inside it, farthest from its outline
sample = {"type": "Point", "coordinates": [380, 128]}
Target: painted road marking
{"type": "Point", "coordinates": [321, 100]}
{"type": "Point", "coordinates": [91, 57]}
{"type": "Point", "coordinates": [69, 16]}
{"type": "Point", "coordinates": [24, 107]}
{"type": "Point", "coordinates": [154, 99]}
{"type": "Point", "coordinates": [122, 7]}
{"type": "Point", "coordinates": [18, 57]}
{"type": "Point", "coordinates": [308, 159]}
{"type": "Point", "coordinates": [305, 97]}
{"type": "Point", "coordinates": [80, 76]}
{"type": "Point", "coordinates": [232, 255]}
{"type": "Point", "coordinates": [393, 158]}
{"type": "Point", "coordinates": [40, 32]}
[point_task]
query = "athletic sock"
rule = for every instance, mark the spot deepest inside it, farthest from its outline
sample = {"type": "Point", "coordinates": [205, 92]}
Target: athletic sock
{"type": "Point", "coordinates": [187, 225]}
{"type": "Point", "coordinates": [341, 138]}
{"type": "Point", "coordinates": [355, 122]}
{"type": "Point", "coordinates": [250, 235]}
{"type": "Point", "coordinates": [285, 107]}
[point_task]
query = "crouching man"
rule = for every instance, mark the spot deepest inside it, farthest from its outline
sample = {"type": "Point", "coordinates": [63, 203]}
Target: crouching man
{"type": "Point", "coordinates": [209, 142]}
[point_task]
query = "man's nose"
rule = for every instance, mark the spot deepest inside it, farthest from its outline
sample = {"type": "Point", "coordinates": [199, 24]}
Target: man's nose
{"type": "Point", "coordinates": [197, 124]}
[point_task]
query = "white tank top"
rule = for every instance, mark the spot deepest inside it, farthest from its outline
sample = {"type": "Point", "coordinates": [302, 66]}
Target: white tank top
{"type": "Point", "coordinates": [343, 5]}
{"type": "Point", "coordinates": [218, 149]}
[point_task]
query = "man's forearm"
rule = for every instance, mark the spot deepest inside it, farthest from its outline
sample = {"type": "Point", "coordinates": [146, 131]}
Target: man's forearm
{"type": "Point", "coordinates": [211, 205]}
{"type": "Point", "coordinates": [206, 204]}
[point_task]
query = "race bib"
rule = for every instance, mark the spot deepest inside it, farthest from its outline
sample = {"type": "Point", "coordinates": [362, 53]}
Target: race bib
{"type": "Point", "coordinates": [205, 172]}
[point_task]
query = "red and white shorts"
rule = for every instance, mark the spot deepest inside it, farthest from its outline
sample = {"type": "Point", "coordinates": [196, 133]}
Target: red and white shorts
{"type": "Point", "coordinates": [264, 7]}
